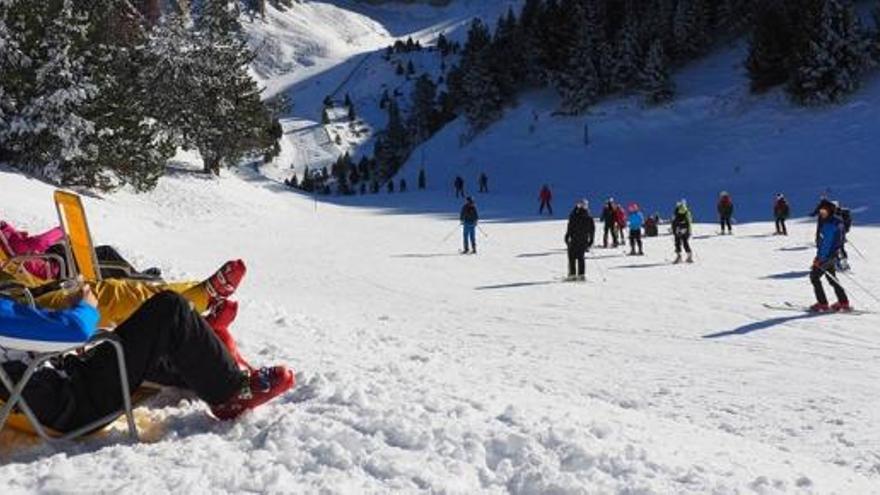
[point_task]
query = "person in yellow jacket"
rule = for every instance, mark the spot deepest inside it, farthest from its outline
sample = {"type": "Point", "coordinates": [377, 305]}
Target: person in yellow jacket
{"type": "Point", "coordinates": [120, 298]}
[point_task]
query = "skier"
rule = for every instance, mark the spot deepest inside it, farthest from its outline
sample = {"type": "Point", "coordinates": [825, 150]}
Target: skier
{"type": "Point", "coordinates": [620, 222]}
{"type": "Point", "coordinates": [545, 196]}
{"type": "Point", "coordinates": [390, 186]}
{"type": "Point", "coordinates": [484, 183]}
{"type": "Point", "coordinates": [681, 230]}
{"type": "Point", "coordinates": [608, 218]}
{"type": "Point", "coordinates": [635, 220]}
{"type": "Point", "coordinates": [845, 215]}
{"type": "Point", "coordinates": [402, 185]}
{"type": "Point", "coordinates": [781, 211]}
{"type": "Point", "coordinates": [579, 238]}
{"type": "Point", "coordinates": [652, 224]}
{"type": "Point", "coordinates": [459, 186]}
{"type": "Point", "coordinates": [725, 212]}
{"type": "Point", "coordinates": [469, 218]}
{"type": "Point", "coordinates": [832, 235]}
{"type": "Point", "coordinates": [423, 181]}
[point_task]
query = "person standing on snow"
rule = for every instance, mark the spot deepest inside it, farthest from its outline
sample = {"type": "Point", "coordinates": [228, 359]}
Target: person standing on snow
{"type": "Point", "coordinates": [832, 235]}
{"type": "Point", "coordinates": [459, 186]}
{"type": "Point", "coordinates": [620, 221]}
{"type": "Point", "coordinates": [609, 219]}
{"type": "Point", "coordinates": [781, 211]}
{"type": "Point", "coordinates": [725, 212]}
{"type": "Point", "coordinates": [682, 220]}
{"type": "Point", "coordinates": [484, 182]}
{"type": "Point", "coordinates": [545, 196]}
{"type": "Point", "coordinates": [635, 220]}
{"type": "Point", "coordinates": [469, 218]}
{"type": "Point", "coordinates": [423, 181]}
{"type": "Point", "coordinates": [578, 238]}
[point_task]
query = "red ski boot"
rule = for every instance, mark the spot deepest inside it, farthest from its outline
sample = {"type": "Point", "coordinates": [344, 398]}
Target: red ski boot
{"type": "Point", "coordinates": [842, 306]}
{"type": "Point", "coordinates": [819, 308]}
{"type": "Point", "coordinates": [224, 282]}
{"type": "Point", "coordinates": [258, 387]}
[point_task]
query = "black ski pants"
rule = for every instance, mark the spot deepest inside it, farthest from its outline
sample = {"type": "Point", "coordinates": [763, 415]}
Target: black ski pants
{"type": "Point", "coordinates": [576, 263]}
{"type": "Point", "coordinates": [725, 224]}
{"type": "Point", "coordinates": [780, 226]}
{"type": "Point", "coordinates": [164, 342]}
{"type": "Point", "coordinates": [612, 228]}
{"type": "Point", "coordinates": [635, 240]}
{"type": "Point", "coordinates": [829, 272]}
{"type": "Point", "coordinates": [682, 241]}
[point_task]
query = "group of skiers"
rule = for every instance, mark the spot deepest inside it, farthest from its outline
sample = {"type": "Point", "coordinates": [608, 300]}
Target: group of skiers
{"type": "Point", "coordinates": [833, 224]}
{"type": "Point", "coordinates": [458, 185]}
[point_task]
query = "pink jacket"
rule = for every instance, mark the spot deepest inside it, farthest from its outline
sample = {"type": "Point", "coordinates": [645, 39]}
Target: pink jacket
{"type": "Point", "coordinates": [22, 243]}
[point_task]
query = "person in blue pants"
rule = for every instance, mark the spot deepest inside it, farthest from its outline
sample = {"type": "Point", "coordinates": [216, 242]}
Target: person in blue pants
{"type": "Point", "coordinates": [469, 218]}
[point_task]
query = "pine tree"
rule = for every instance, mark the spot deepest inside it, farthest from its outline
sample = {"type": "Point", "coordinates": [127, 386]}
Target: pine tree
{"type": "Point", "coordinates": [423, 120]}
{"type": "Point", "coordinates": [771, 46]}
{"type": "Point", "coordinates": [830, 64]}
{"type": "Point", "coordinates": [654, 80]}
{"type": "Point", "coordinates": [352, 115]}
{"type": "Point", "coordinates": [627, 59]}
{"type": "Point", "coordinates": [691, 28]}
{"type": "Point", "coordinates": [577, 82]}
{"type": "Point", "coordinates": [481, 97]}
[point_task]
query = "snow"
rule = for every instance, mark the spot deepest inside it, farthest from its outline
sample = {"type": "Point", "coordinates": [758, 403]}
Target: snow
{"type": "Point", "coordinates": [421, 370]}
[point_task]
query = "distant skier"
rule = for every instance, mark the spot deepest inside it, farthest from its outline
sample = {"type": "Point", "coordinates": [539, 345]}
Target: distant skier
{"type": "Point", "coordinates": [546, 196]}
{"type": "Point", "coordinates": [635, 220]}
{"type": "Point", "coordinates": [652, 225]}
{"type": "Point", "coordinates": [469, 218]}
{"type": "Point", "coordinates": [390, 186]}
{"type": "Point", "coordinates": [578, 238]}
{"type": "Point", "coordinates": [682, 222]}
{"type": "Point", "coordinates": [459, 187]}
{"type": "Point", "coordinates": [845, 215]}
{"type": "Point", "coordinates": [402, 185]}
{"type": "Point", "coordinates": [725, 212]}
{"type": "Point", "coordinates": [620, 222]}
{"type": "Point", "coordinates": [781, 210]}
{"type": "Point", "coordinates": [831, 238]}
{"type": "Point", "coordinates": [484, 183]}
{"type": "Point", "coordinates": [423, 181]}
{"type": "Point", "coordinates": [610, 221]}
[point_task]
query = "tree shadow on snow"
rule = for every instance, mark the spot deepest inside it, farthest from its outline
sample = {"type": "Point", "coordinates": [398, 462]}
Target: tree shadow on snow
{"type": "Point", "coordinates": [516, 285]}
{"type": "Point", "coordinates": [760, 325]}
{"type": "Point", "coordinates": [787, 275]}
{"type": "Point", "coordinates": [794, 248]}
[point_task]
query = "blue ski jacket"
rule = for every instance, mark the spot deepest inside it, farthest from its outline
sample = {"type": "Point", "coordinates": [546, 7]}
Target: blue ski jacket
{"type": "Point", "coordinates": [636, 220]}
{"type": "Point", "coordinates": [831, 238]}
{"type": "Point", "coordinates": [21, 322]}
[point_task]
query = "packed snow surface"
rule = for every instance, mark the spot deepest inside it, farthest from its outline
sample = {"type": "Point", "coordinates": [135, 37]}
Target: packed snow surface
{"type": "Point", "coordinates": [421, 370]}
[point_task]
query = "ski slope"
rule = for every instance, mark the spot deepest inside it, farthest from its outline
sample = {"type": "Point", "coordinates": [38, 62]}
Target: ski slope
{"type": "Point", "coordinates": [424, 371]}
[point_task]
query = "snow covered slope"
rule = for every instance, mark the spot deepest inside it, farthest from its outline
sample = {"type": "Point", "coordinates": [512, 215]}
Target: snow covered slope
{"type": "Point", "coordinates": [424, 371]}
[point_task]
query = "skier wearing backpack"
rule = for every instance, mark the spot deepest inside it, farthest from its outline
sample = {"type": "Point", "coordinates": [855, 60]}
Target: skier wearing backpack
{"type": "Point", "coordinates": [725, 212]}
{"type": "Point", "coordinates": [682, 220]}
{"type": "Point", "coordinates": [845, 215]}
{"type": "Point", "coordinates": [545, 196]}
{"type": "Point", "coordinates": [635, 220]}
{"type": "Point", "coordinates": [781, 211]}
{"type": "Point", "coordinates": [469, 218]}
{"type": "Point", "coordinates": [831, 238]}
{"type": "Point", "coordinates": [579, 238]}
{"type": "Point", "coordinates": [610, 221]}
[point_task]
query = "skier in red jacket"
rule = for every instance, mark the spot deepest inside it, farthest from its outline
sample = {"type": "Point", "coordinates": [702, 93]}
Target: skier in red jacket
{"type": "Point", "coordinates": [545, 196]}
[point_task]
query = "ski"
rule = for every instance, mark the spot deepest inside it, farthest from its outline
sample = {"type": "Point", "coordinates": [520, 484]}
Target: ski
{"type": "Point", "coordinates": [788, 306]}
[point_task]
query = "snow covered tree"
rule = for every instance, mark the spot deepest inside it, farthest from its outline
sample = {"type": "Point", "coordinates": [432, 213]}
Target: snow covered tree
{"type": "Point", "coordinates": [654, 80]}
{"type": "Point", "coordinates": [577, 82]}
{"type": "Point", "coordinates": [830, 63]}
{"type": "Point", "coordinates": [393, 146]}
{"type": "Point", "coordinates": [770, 46]}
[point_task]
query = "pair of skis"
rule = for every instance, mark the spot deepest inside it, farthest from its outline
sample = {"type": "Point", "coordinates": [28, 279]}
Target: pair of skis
{"type": "Point", "coordinates": [789, 306]}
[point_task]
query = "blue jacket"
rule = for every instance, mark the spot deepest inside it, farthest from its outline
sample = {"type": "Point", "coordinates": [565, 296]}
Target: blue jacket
{"type": "Point", "coordinates": [74, 325]}
{"type": "Point", "coordinates": [831, 238]}
{"type": "Point", "coordinates": [636, 220]}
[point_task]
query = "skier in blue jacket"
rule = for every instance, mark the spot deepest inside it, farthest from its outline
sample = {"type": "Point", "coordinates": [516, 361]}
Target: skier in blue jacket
{"type": "Point", "coordinates": [469, 218]}
{"type": "Point", "coordinates": [636, 220]}
{"type": "Point", "coordinates": [831, 237]}
{"type": "Point", "coordinates": [164, 342]}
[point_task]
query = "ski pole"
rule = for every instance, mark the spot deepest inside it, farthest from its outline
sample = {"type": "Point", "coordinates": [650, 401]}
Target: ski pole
{"type": "Point", "coordinates": [482, 231]}
{"type": "Point", "coordinates": [855, 282]}
{"type": "Point", "coordinates": [858, 251]}
{"type": "Point", "coordinates": [450, 234]}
